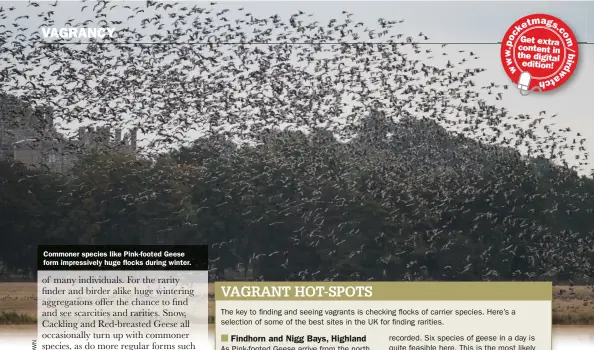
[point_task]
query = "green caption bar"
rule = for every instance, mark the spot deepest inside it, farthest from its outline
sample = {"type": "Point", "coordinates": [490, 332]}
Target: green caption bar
{"type": "Point", "coordinates": [463, 291]}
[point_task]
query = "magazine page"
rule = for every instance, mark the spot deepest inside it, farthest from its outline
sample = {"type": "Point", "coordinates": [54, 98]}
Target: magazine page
{"type": "Point", "coordinates": [296, 175]}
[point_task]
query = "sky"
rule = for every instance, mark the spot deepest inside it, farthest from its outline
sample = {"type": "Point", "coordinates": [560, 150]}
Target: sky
{"type": "Point", "coordinates": [457, 23]}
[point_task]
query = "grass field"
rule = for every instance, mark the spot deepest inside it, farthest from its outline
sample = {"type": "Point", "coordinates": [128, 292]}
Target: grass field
{"type": "Point", "coordinates": [18, 304]}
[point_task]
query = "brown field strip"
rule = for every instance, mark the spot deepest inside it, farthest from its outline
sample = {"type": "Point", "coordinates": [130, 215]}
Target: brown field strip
{"type": "Point", "coordinates": [18, 304]}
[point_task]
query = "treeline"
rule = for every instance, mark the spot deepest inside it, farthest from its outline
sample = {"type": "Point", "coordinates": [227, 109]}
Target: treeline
{"type": "Point", "coordinates": [421, 204]}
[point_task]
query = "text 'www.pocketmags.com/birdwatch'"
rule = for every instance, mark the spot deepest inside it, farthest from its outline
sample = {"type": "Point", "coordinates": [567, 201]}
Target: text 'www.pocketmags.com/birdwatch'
{"type": "Point", "coordinates": [539, 53]}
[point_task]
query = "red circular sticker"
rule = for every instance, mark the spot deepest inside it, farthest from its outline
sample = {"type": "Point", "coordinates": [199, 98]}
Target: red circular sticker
{"type": "Point", "coordinates": [539, 51]}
